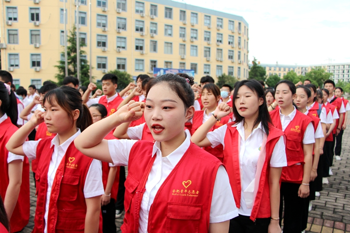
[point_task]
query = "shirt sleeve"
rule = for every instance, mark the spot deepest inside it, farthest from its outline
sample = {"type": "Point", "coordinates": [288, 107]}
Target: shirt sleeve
{"type": "Point", "coordinates": [217, 136]}
{"type": "Point", "coordinates": [319, 132]}
{"type": "Point", "coordinates": [120, 150]}
{"type": "Point", "coordinates": [342, 108]}
{"type": "Point", "coordinates": [323, 116]}
{"type": "Point", "coordinates": [279, 157]}
{"type": "Point", "coordinates": [309, 134]}
{"type": "Point", "coordinates": [135, 132]}
{"type": "Point", "coordinates": [29, 149]}
{"type": "Point", "coordinates": [223, 207]}
{"type": "Point", "coordinates": [335, 115]}
{"type": "Point", "coordinates": [93, 101]}
{"type": "Point", "coordinates": [12, 157]}
{"type": "Point", "coordinates": [20, 108]}
{"type": "Point", "coordinates": [347, 108]}
{"type": "Point", "coordinates": [93, 182]}
{"type": "Point", "coordinates": [329, 117]}
{"type": "Point", "coordinates": [197, 106]}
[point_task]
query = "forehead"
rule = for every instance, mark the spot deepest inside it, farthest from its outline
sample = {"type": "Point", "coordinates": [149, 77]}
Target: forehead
{"type": "Point", "coordinates": [107, 81]}
{"type": "Point", "coordinates": [93, 110]}
{"type": "Point", "coordinates": [162, 91]}
{"type": "Point", "coordinates": [282, 87]}
{"type": "Point", "coordinates": [243, 89]}
{"type": "Point", "coordinates": [225, 88]}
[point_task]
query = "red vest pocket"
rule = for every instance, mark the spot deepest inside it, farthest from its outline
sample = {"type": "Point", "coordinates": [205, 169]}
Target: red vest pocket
{"type": "Point", "coordinates": [68, 222]}
{"type": "Point", "coordinates": [70, 185]}
{"type": "Point", "coordinates": [293, 174]}
{"type": "Point", "coordinates": [130, 187]}
{"type": "Point", "coordinates": [183, 218]}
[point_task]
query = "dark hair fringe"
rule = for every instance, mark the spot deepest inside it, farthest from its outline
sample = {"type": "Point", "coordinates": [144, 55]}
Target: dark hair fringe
{"type": "Point", "coordinates": [211, 87]}
{"type": "Point", "coordinates": [307, 90]}
{"type": "Point", "coordinates": [101, 108]}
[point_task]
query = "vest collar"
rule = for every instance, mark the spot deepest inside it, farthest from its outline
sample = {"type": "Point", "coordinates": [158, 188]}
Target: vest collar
{"type": "Point", "coordinates": [3, 118]}
{"type": "Point", "coordinates": [65, 145]}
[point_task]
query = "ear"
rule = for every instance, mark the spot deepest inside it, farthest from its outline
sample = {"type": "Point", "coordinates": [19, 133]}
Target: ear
{"type": "Point", "coordinates": [0, 103]}
{"type": "Point", "coordinates": [189, 113]}
{"type": "Point", "coordinates": [218, 98]}
{"type": "Point", "coordinates": [294, 96]}
{"type": "Point", "coordinates": [76, 114]}
{"type": "Point", "coordinates": [115, 86]}
{"type": "Point", "coordinates": [261, 101]}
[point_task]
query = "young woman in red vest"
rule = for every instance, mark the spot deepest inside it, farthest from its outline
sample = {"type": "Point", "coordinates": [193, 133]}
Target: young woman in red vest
{"type": "Point", "coordinates": [14, 169]}
{"type": "Point", "coordinates": [254, 154]}
{"type": "Point", "coordinates": [270, 96]}
{"type": "Point", "coordinates": [338, 140]}
{"type": "Point", "coordinates": [210, 98]}
{"type": "Point", "coordinates": [110, 177]}
{"type": "Point", "coordinates": [69, 184]}
{"type": "Point", "coordinates": [300, 137]}
{"type": "Point", "coordinates": [172, 185]}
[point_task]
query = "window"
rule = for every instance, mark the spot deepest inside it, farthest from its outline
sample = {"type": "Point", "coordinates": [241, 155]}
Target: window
{"type": "Point", "coordinates": [101, 3]}
{"type": "Point", "coordinates": [168, 30]}
{"type": "Point", "coordinates": [82, 18]}
{"type": "Point", "coordinates": [16, 82]}
{"type": "Point", "coordinates": [12, 14]}
{"type": "Point", "coordinates": [101, 21]}
{"type": "Point", "coordinates": [82, 2]}
{"type": "Point", "coordinates": [207, 52]}
{"type": "Point", "coordinates": [239, 41]}
{"type": "Point", "coordinates": [36, 82]}
{"type": "Point", "coordinates": [182, 32]}
{"type": "Point", "coordinates": [34, 14]}
{"type": "Point", "coordinates": [218, 70]}
{"type": "Point", "coordinates": [194, 50]}
{"type": "Point", "coordinates": [139, 25]}
{"type": "Point", "coordinates": [101, 63]}
{"type": "Point", "coordinates": [34, 36]}
{"type": "Point", "coordinates": [194, 67]}
{"type": "Point", "coordinates": [153, 28]}
{"type": "Point", "coordinates": [194, 34]}
{"type": "Point", "coordinates": [206, 69]}
{"type": "Point", "coordinates": [168, 64]}
{"type": "Point", "coordinates": [230, 71]}
{"type": "Point", "coordinates": [121, 64]}
{"type": "Point", "coordinates": [12, 36]}
{"type": "Point", "coordinates": [121, 42]}
{"type": "Point", "coordinates": [168, 48]}
{"type": "Point", "coordinates": [182, 49]}
{"type": "Point", "coordinates": [121, 23]}
{"type": "Point", "coordinates": [183, 16]}
{"type": "Point", "coordinates": [219, 54]}
{"type": "Point", "coordinates": [139, 44]}
{"type": "Point", "coordinates": [239, 27]}
{"type": "Point", "coordinates": [139, 8]}
{"type": "Point", "coordinates": [239, 55]}
{"type": "Point", "coordinates": [154, 10]}
{"type": "Point", "coordinates": [83, 59]}
{"type": "Point", "coordinates": [35, 60]}
{"type": "Point", "coordinates": [207, 36]}
{"type": "Point", "coordinates": [83, 38]}
{"type": "Point", "coordinates": [231, 55]}
{"type": "Point", "coordinates": [219, 38]}
{"type": "Point", "coordinates": [245, 44]}
{"type": "Point", "coordinates": [121, 4]}
{"type": "Point", "coordinates": [207, 20]}
{"type": "Point", "coordinates": [153, 46]}
{"type": "Point", "coordinates": [231, 40]}
{"type": "Point", "coordinates": [182, 65]}
{"type": "Point", "coordinates": [14, 60]}
{"type": "Point", "coordinates": [62, 16]}
{"type": "Point", "coordinates": [194, 18]}
{"type": "Point", "coordinates": [245, 30]}
{"type": "Point", "coordinates": [168, 13]}
{"type": "Point", "coordinates": [62, 38]}
{"type": "Point", "coordinates": [101, 41]}
{"type": "Point", "coordinates": [139, 65]}
{"type": "Point", "coordinates": [239, 72]}
{"type": "Point", "coordinates": [231, 25]}
{"type": "Point", "coordinates": [220, 23]}
{"type": "Point", "coordinates": [153, 64]}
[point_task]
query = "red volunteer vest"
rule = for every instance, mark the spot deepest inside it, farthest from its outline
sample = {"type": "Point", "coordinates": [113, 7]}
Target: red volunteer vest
{"type": "Point", "coordinates": [182, 203]}
{"type": "Point", "coordinates": [3, 229]}
{"type": "Point", "coordinates": [111, 106]}
{"type": "Point", "coordinates": [294, 133]}
{"type": "Point", "coordinates": [329, 107]}
{"type": "Point", "coordinates": [197, 121]}
{"type": "Point", "coordinates": [336, 102]}
{"type": "Point", "coordinates": [20, 216]}
{"type": "Point", "coordinates": [138, 121]}
{"type": "Point", "coordinates": [262, 205]}
{"type": "Point", "coordinates": [67, 208]}
{"type": "Point", "coordinates": [146, 134]}
{"type": "Point", "coordinates": [345, 101]}
{"type": "Point", "coordinates": [313, 110]}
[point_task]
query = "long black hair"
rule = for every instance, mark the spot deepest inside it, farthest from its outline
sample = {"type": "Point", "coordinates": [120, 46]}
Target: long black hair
{"type": "Point", "coordinates": [264, 116]}
{"type": "Point", "coordinates": [9, 103]}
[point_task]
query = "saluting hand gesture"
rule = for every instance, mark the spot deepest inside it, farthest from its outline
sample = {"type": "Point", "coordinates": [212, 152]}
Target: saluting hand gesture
{"type": "Point", "coordinates": [36, 99]}
{"type": "Point", "coordinates": [137, 91]}
{"type": "Point", "coordinates": [37, 118]}
{"type": "Point", "coordinates": [222, 110]}
{"type": "Point", "coordinates": [130, 112]}
{"type": "Point", "coordinates": [92, 86]}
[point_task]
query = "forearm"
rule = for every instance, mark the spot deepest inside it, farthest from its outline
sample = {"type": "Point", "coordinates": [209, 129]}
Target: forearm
{"type": "Point", "coordinates": [26, 111]}
{"type": "Point", "coordinates": [125, 90]}
{"type": "Point", "coordinates": [126, 100]}
{"type": "Point", "coordinates": [110, 181]}
{"type": "Point", "coordinates": [274, 179]}
{"type": "Point", "coordinates": [316, 157]}
{"type": "Point", "coordinates": [121, 131]}
{"type": "Point", "coordinates": [220, 227]}
{"type": "Point", "coordinates": [307, 168]}
{"type": "Point", "coordinates": [17, 140]}
{"type": "Point", "coordinates": [92, 219]}
{"type": "Point", "coordinates": [341, 117]}
{"type": "Point", "coordinates": [201, 133]}
{"type": "Point", "coordinates": [330, 130]}
{"type": "Point", "coordinates": [86, 96]}
{"type": "Point", "coordinates": [15, 169]}
{"type": "Point", "coordinates": [324, 130]}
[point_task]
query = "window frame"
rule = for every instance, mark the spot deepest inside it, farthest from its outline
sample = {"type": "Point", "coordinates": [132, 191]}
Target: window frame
{"type": "Point", "coordinates": [97, 62]}
{"type": "Point", "coordinates": [31, 60]}
{"type": "Point", "coordinates": [30, 14]}
{"type": "Point", "coordinates": [126, 42]}
{"type": "Point", "coordinates": [9, 60]}
{"type": "Point", "coordinates": [97, 41]}
{"type": "Point", "coordinates": [30, 36]}
{"type": "Point", "coordinates": [8, 13]}
{"type": "Point", "coordinates": [171, 47]}
{"type": "Point", "coordinates": [125, 59]}
{"type": "Point", "coordinates": [97, 21]}
{"type": "Point", "coordinates": [8, 36]}
{"type": "Point", "coordinates": [143, 64]}
{"type": "Point", "coordinates": [171, 12]}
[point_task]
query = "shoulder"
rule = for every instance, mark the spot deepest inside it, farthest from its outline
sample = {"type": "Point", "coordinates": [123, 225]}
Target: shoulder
{"type": "Point", "coordinates": [202, 156]}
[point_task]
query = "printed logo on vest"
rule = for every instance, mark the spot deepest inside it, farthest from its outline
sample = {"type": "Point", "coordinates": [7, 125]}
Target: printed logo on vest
{"type": "Point", "coordinates": [185, 192]}
{"type": "Point", "coordinates": [48, 134]}
{"type": "Point", "coordinates": [70, 163]}
{"type": "Point", "coordinates": [296, 129]}
{"type": "Point", "coordinates": [218, 124]}
{"type": "Point", "coordinates": [112, 111]}
{"type": "Point", "coordinates": [315, 115]}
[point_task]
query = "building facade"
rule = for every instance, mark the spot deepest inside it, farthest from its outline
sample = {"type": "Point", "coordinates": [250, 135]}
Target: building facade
{"type": "Point", "coordinates": [128, 35]}
{"type": "Point", "coordinates": [278, 69]}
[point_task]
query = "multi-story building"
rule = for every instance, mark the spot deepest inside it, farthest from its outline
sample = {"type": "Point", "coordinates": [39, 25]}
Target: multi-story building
{"type": "Point", "coordinates": [278, 69]}
{"type": "Point", "coordinates": [128, 35]}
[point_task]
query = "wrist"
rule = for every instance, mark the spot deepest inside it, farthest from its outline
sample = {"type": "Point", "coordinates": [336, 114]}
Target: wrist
{"type": "Point", "coordinates": [107, 194]}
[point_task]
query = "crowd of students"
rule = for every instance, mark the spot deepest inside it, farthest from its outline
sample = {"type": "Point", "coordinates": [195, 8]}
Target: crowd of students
{"type": "Point", "coordinates": [199, 158]}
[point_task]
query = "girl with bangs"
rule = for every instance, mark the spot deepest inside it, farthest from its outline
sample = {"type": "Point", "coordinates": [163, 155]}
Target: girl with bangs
{"type": "Point", "coordinates": [254, 154]}
{"type": "Point", "coordinates": [69, 184]}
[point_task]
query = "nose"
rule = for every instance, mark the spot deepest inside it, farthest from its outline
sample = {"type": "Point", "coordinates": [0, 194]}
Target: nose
{"type": "Point", "coordinates": [156, 114]}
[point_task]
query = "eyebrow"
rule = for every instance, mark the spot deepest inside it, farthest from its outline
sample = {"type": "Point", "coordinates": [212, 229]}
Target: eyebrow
{"type": "Point", "coordinates": [165, 100]}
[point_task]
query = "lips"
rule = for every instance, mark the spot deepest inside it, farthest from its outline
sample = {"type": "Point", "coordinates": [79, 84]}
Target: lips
{"type": "Point", "coordinates": [157, 129]}
{"type": "Point", "coordinates": [242, 109]}
{"type": "Point", "coordinates": [280, 102]}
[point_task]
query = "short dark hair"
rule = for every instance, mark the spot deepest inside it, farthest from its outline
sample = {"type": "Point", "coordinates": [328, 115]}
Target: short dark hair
{"type": "Point", "coordinates": [290, 85]}
{"type": "Point", "coordinates": [33, 86]}
{"type": "Point", "coordinates": [262, 83]}
{"type": "Point", "coordinates": [142, 77]}
{"type": "Point", "coordinates": [326, 90]}
{"type": "Point", "coordinates": [83, 88]}
{"type": "Point", "coordinates": [6, 76]}
{"type": "Point", "coordinates": [227, 85]}
{"type": "Point", "coordinates": [47, 82]}
{"type": "Point", "coordinates": [329, 81]}
{"type": "Point", "coordinates": [46, 88]}
{"type": "Point", "coordinates": [270, 90]}
{"type": "Point", "coordinates": [101, 108]}
{"type": "Point", "coordinates": [307, 80]}
{"type": "Point", "coordinates": [21, 91]}
{"type": "Point", "coordinates": [306, 89]}
{"type": "Point", "coordinates": [207, 79]}
{"type": "Point", "coordinates": [145, 83]}
{"type": "Point", "coordinates": [112, 77]}
{"type": "Point", "coordinates": [341, 89]}
{"type": "Point", "coordinates": [188, 78]}
{"type": "Point", "coordinates": [70, 79]}
{"type": "Point", "coordinates": [211, 87]}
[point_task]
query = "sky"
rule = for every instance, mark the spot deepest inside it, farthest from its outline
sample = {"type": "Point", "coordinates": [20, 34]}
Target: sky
{"type": "Point", "coordinates": [298, 32]}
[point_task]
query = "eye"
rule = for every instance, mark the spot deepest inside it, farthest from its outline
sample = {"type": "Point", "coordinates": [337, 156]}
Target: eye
{"type": "Point", "coordinates": [167, 107]}
{"type": "Point", "coordinates": [148, 106]}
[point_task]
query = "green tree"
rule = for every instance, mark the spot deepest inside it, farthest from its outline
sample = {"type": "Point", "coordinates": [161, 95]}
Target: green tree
{"type": "Point", "coordinates": [226, 79]}
{"type": "Point", "coordinates": [272, 80]}
{"type": "Point", "coordinates": [72, 61]}
{"type": "Point", "coordinates": [257, 72]}
{"type": "Point", "coordinates": [123, 78]}
{"type": "Point", "coordinates": [292, 76]}
{"type": "Point", "coordinates": [344, 85]}
{"type": "Point", "coordinates": [317, 76]}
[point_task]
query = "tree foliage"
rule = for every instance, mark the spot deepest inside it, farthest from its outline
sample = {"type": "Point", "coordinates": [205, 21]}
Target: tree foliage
{"type": "Point", "coordinates": [344, 85]}
{"type": "Point", "coordinates": [292, 76]}
{"type": "Point", "coordinates": [72, 61]}
{"type": "Point", "coordinates": [272, 80]}
{"type": "Point", "coordinates": [123, 78]}
{"type": "Point", "coordinates": [226, 79]}
{"type": "Point", "coordinates": [317, 76]}
{"type": "Point", "coordinates": [257, 72]}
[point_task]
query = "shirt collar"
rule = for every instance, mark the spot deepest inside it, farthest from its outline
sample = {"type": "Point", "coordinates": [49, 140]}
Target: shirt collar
{"type": "Point", "coordinates": [3, 118]}
{"type": "Point", "coordinates": [65, 145]}
{"type": "Point", "coordinates": [210, 113]}
{"type": "Point", "coordinates": [109, 99]}
{"type": "Point", "coordinates": [291, 115]}
{"type": "Point", "coordinates": [175, 156]}
{"type": "Point", "coordinates": [240, 128]}
{"type": "Point", "coordinates": [307, 112]}
{"type": "Point", "coordinates": [309, 107]}
{"type": "Point", "coordinates": [330, 99]}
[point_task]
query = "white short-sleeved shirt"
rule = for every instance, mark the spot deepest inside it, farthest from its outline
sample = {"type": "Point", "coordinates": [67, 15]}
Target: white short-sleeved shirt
{"type": "Point", "coordinates": [135, 132]}
{"type": "Point", "coordinates": [249, 151]}
{"type": "Point", "coordinates": [223, 207]}
{"type": "Point", "coordinates": [347, 107]}
{"type": "Point", "coordinates": [319, 131]}
{"type": "Point", "coordinates": [342, 107]}
{"type": "Point", "coordinates": [197, 106]}
{"type": "Point", "coordinates": [335, 114]}
{"type": "Point", "coordinates": [206, 116]}
{"type": "Point", "coordinates": [93, 183]}
{"type": "Point", "coordinates": [329, 118]}
{"type": "Point", "coordinates": [96, 100]}
{"type": "Point", "coordinates": [20, 107]}
{"type": "Point", "coordinates": [323, 114]}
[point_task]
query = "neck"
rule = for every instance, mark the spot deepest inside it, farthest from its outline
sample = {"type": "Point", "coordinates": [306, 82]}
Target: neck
{"type": "Point", "coordinates": [62, 137]}
{"type": "Point", "coordinates": [226, 99]}
{"type": "Point", "coordinates": [331, 95]}
{"type": "Point", "coordinates": [110, 95]}
{"type": "Point", "coordinates": [169, 146]}
{"type": "Point", "coordinates": [311, 102]}
{"type": "Point", "coordinates": [1, 114]}
{"type": "Point", "coordinates": [303, 110]}
{"type": "Point", "coordinates": [287, 110]}
{"type": "Point", "coordinates": [210, 109]}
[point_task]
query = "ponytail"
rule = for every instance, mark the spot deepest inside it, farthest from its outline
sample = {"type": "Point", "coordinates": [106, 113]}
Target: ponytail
{"type": "Point", "coordinates": [8, 103]}
{"type": "Point", "coordinates": [85, 119]}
